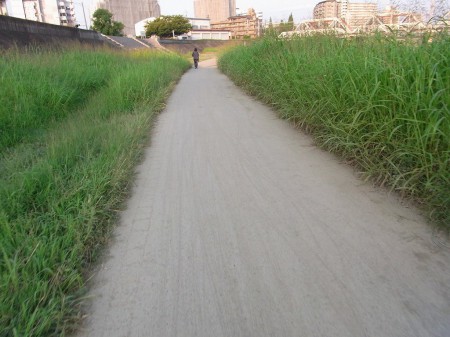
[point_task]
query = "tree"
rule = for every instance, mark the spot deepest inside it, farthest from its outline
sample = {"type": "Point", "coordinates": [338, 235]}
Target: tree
{"type": "Point", "coordinates": [165, 26]}
{"type": "Point", "coordinates": [286, 26]}
{"type": "Point", "coordinates": [103, 23]}
{"type": "Point", "coordinates": [270, 31]}
{"type": "Point", "coordinates": [290, 23]}
{"type": "Point", "coordinates": [415, 6]}
{"type": "Point", "coordinates": [434, 9]}
{"type": "Point", "coordinates": [275, 30]}
{"type": "Point", "coordinates": [440, 9]}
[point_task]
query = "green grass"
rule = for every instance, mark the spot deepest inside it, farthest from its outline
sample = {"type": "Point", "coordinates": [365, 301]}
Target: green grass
{"type": "Point", "coordinates": [74, 124]}
{"type": "Point", "coordinates": [207, 53]}
{"type": "Point", "coordinates": [211, 50]}
{"type": "Point", "coordinates": [381, 104]}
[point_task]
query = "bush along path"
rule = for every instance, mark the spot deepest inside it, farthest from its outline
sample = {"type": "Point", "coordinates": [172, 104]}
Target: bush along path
{"type": "Point", "coordinates": [73, 125]}
{"type": "Point", "coordinates": [380, 103]}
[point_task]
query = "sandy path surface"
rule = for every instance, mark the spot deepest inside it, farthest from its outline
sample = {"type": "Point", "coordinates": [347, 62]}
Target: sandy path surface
{"type": "Point", "coordinates": [239, 226]}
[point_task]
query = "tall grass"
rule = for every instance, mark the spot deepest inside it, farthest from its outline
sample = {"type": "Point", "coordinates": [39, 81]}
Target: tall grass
{"type": "Point", "coordinates": [380, 103]}
{"type": "Point", "coordinates": [58, 86]}
{"type": "Point", "coordinates": [76, 122]}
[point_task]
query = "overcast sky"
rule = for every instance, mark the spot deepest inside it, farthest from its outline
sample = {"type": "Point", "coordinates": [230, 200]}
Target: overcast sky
{"type": "Point", "coordinates": [275, 9]}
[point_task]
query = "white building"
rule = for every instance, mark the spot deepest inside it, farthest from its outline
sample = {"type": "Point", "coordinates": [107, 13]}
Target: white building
{"type": "Point", "coordinates": [2, 7]}
{"type": "Point", "coordinates": [139, 27]}
{"type": "Point", "coordinates": [15, 8]}
{"type": "Point", "coordinates": [200, 23]}
{"type": "Point", "coordinates": [201, 30]}
{"type": "Point", "coordinates": [57, 12]}
{"type": "Point", "coordinates": [209, 34]}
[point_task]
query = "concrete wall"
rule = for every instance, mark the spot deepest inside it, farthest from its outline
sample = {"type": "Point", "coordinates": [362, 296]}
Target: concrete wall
{"type": "Point", "coordinates": [216, 10]}
{"type": "Point", "coordinates": [130, 11]}
{"type": "Point", "coordinates": [19, 32]}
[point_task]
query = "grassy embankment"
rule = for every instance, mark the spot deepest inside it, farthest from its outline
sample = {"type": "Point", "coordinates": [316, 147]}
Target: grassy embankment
{"type": "Point", "coordinates": [205, 54]}
{"type": "Point", "coordinates": [72, 126]}
{"type": "Point", "coordinates": [381, 104]}
{"type": "Point", "coordinates": [208, 48]}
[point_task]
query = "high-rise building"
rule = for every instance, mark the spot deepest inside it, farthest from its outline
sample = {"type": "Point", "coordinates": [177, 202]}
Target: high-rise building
{"type": "Point", "coordinates": [215, 10]}
{"type": "Point", "coordinates": [3, 7]}
{"type": "Point", "coordinates": [129, 12]}
{"type": "Point", "coordinates": [353, 13]}
{"type": "Point", "coordinates": [57, 12]}
{"type": "Point", "coordinates": [241, 26]}
{"type": "Point", "coordinates": [66, 12]}
{"type": "Point", "coordinates": [357, 13]}
{"type": "Point", "coordinates": [326, 9]}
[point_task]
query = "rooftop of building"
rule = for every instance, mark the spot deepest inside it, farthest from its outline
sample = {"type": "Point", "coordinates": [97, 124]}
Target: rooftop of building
{"type": "Point", "coordinates": [204, 19]}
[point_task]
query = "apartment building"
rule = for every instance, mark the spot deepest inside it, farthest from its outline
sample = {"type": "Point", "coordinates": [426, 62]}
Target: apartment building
{"type": "Point", "coordinates": [325, 9]}
{"type": "Point", "coordinates": [241, 26]}
{"type": "Point", "coordinates": [129, 12]}
{"type": "Point", "coordinates": [3, 7]}
{"type": "Point", "coordinates": [353, 13]}
{"type": "Point", "coordinates": [357, 14]}
{"type": "Point", "coordinates": [389, 15]}
{"type": "Point", "coordinates": [57, 12]}
{"type": "Point", "coordinates": [215, 10]}
{"type": "Point", "coordinates": [66, 13]}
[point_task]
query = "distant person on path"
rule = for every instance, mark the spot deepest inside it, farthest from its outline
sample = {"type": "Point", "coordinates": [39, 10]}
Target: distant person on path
{"type": "Point", "coordinates": [196, 57]}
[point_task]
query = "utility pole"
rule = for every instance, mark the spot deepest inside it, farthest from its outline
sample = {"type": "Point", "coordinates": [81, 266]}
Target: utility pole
{"type": "Point", "coordinates": [84, 15]}
{"type": "Point", "coordinates": [259, 17]}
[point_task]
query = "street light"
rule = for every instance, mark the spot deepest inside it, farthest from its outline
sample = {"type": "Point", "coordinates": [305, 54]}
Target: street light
{"type": "Point", "coordinates": [84, 13]}
{"type": "Point", "coordinates": [259, 17]}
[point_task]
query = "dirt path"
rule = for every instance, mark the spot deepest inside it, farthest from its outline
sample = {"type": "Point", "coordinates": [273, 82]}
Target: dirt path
{"type": "Point", "coordinates": [239, 226]}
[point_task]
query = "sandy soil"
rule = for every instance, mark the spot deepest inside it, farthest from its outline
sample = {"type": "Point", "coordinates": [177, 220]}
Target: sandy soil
{"type": "Point", "coordinates": [239, 226]}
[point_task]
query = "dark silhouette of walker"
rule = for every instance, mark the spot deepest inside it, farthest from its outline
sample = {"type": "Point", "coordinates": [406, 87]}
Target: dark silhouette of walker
{"type": "Point", "coordinates": [196, 57]}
